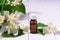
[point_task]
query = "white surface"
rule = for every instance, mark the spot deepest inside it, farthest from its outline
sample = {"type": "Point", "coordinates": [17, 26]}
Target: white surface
{"type": "Point", "coordinates": [23, 37]}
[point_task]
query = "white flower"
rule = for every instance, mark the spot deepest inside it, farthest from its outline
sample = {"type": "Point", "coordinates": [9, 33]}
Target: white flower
{"type": "Point", "coordinates": [52, 28]}
{"type": "Point", "coordinates": [17, 14]}
{"type": "Point", "coordinates": [8, 1]}
{"type": "Point", "coordinates": [16, 2]}
{"type": "Point", "coordinates": [13, 3]}
{"type": "Point", "coordinates": [6, 13]}
{"type": "Point", "coordinates": [23, 0]}
{"type": "Point", "coordinates": [12, 28]}
{"type": "Point", "coordinates": [2, 19]}
{"type": "Point", "coordinates": [45, 29]}
{"type": "Point", "coordinates": [7, 29]}
{"type": "Point", "coordinates": [24, 26]}
{"type": "Point", "coordinates": [11, 16]}
{"type": "Point", "coordinates": [15, 34]}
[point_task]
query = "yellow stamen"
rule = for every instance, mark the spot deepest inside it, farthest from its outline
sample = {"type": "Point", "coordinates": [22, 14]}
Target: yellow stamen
{"type": "Point", "coordinates": [1, 20]}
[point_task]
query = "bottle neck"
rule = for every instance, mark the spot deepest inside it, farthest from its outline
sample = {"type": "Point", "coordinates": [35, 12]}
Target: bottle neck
{"type": "Point", "coordinates": [33, 19]}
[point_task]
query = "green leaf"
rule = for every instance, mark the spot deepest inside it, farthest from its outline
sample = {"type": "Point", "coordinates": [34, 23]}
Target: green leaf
{"type": "Point", "coordinates": [12, 0]}
{"type": "Point", "coordinates": [20, 8]}
{"type": "Point", "coordinates": [4, 34]}
{"type": "Point", "coordinates": [41, 25]}
{"type": "Point", "coordinates": [2, 2]}
{"type": "Point", "coordinates": [7, 8]}
{"type": "Point", "coordinates": [0, 8]}
{"type": "Point", "coordinates": [41, 31]}
{"type": "Point", "coordinates": [21, 1]}
{"type": "Point", "coordinates": [6, 1]}
{"type": "Point", "coordinates": [0, 26]}
{"type": "Point", "coordinates": [20, 31]}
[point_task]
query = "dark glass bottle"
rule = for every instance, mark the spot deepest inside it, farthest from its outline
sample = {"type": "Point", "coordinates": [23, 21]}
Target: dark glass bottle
{"type": "Point", "coordinates": [33, 25]}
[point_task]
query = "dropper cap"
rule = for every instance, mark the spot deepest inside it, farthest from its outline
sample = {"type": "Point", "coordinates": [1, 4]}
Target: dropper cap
{"type": "Point", "coordinates": [33, 16]}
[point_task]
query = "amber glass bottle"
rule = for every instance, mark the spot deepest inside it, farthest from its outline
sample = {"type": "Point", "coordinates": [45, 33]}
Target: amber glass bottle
{"type": "Point", "coordinates": [33, 25]}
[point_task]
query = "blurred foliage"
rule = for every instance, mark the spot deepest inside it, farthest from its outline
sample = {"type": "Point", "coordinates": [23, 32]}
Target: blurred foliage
{"type": "Point", "coordinates": [8, 7]}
